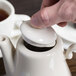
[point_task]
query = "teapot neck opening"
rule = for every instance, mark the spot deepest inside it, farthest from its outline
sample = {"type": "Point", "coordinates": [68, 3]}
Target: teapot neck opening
{"type": "Point", "coordinates": [37, 48]}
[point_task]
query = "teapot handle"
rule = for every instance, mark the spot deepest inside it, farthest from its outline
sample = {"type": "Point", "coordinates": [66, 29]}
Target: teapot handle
{"type": "Point", "coordinates": [70, 50]}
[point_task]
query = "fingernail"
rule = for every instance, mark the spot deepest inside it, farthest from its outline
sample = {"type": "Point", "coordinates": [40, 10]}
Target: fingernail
{"type": "Point", "coordinates": [36, 21]}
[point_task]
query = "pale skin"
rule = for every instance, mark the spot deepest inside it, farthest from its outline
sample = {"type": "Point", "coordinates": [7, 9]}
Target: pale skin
{"type": "Point", "coordinates": [55, 12]}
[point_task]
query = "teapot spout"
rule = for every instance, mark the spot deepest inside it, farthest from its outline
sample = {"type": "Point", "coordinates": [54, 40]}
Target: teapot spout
{"type": "Point", "coordinates": [8, 52]}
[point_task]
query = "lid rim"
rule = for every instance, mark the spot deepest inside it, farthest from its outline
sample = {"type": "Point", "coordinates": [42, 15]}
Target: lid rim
{"type": "Point", "coordinates": [41, 38]}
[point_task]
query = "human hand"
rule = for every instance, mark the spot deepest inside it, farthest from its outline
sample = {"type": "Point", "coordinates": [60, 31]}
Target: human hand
{"type": "Point", "coordinates": [55, 12]}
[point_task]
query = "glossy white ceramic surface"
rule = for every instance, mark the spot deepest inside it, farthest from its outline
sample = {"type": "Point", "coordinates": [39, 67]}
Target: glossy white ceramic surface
{"type": "Point", "coordinates": [26, 62]}
{"type": "Point", "coordinates": [23, 61]}
{"type": "Point", "coordinates": [11, 25]}
{"type": "Point", "coordinates": [68, 33]}
{"type": "Point", "coordinates": [45, 37]}
{"type": "Point", "coordinates": [49, 63]}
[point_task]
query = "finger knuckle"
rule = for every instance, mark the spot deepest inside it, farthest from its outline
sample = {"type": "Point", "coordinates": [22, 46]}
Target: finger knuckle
{"type": "Point", "coordinates": [66, 13]}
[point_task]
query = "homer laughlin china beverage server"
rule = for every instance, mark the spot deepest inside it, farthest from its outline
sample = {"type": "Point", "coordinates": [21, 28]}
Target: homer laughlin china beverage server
{"type": "Point", "coordinates": [39, 52]}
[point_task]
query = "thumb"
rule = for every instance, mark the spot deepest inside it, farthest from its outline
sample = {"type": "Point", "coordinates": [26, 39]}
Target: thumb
{"type": "Point", "coordinates": [46, 16]}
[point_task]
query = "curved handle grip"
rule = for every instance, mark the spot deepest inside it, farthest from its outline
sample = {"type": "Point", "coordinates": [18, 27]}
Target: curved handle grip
{"type": "Point", "coordinates": [19, 18]}
{"type": "Point", "coordinates": [70, 50]}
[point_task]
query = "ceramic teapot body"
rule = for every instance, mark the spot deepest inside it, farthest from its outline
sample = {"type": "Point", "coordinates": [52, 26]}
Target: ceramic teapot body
{"type": "Point", "coordinates": [26, 62]}
{"type": "Point", "coordinates": [32, 60]}
{"type": "Point", "coordinates": [47, 63]}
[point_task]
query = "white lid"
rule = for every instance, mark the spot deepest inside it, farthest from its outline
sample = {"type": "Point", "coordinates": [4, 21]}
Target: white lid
{"type": "Point", "coordinates": [45, 37]}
